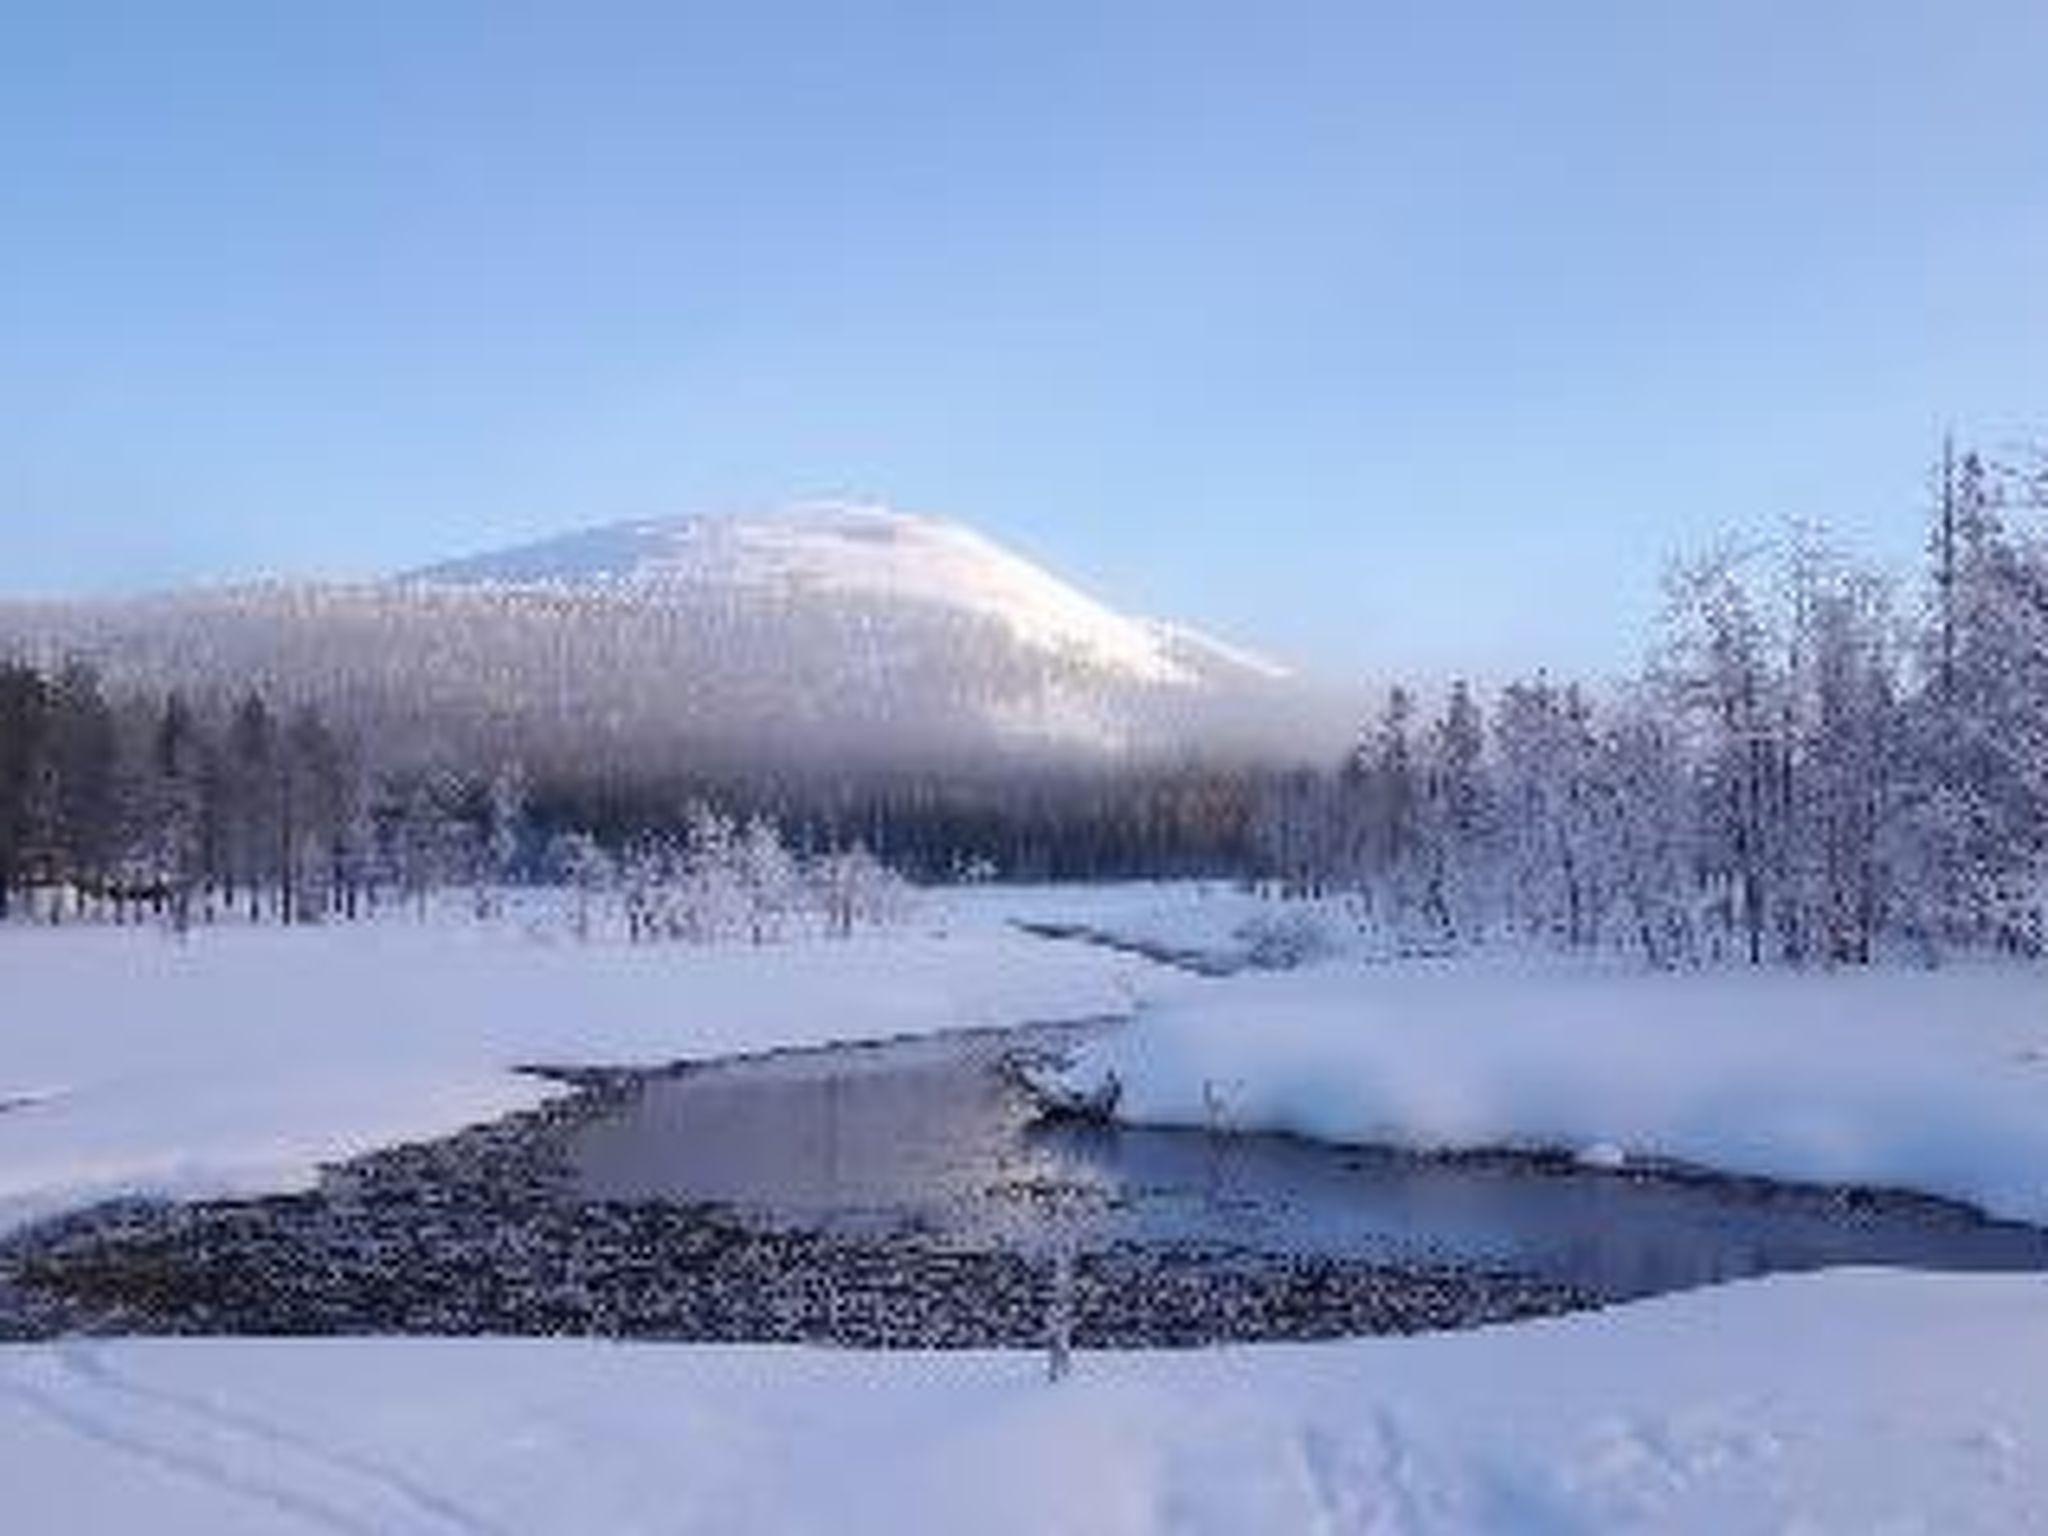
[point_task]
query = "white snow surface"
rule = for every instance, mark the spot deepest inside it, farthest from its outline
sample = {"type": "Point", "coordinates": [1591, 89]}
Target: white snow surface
{"type": "Point", "coordinates": [833, 637]}
{"type": "Point", "coordinates": [238, 1060]}
{"type": "Point", "coordinates": [1852, 1401]}
{"type": "Point", "coordinates": [852, 548]}
{"type": "Point", "coordinates": [1932, 1080]}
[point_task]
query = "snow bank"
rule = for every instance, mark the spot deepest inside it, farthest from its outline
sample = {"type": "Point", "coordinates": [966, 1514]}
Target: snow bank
{"type": "Point", "coordinates": [1933, 1080]}
{"type": "Point", "coordinates": [1849, 1401]}
{"type": "Point", "coordinates": [239, 1060]}
{"type": "Point", "coordinates": [1218, 922]}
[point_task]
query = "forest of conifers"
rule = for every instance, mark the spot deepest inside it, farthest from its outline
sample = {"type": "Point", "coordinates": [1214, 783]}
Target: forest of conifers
{"type": "Point", "coordinates": [1815, 765]}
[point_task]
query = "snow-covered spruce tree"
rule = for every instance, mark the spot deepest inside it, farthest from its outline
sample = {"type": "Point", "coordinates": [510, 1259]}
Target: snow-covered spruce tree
{"type": "Point", "coordinates": [1455, 824]}
{"type": "Point", "coordinates": [850, 887]}
{"type": "Point", "coordinates": [712, 898]}
{"type": "Point", "coordinates": [1643, 822]}
{"type": "Point", "coordinates": [1843, 696]}
{"type": "Point", "coordinates": [1551, 871]}
{"type": "Point", "coordinates": [1717, 675]}
{"type": "Point", "coordinates": [504, 811]}
{"type": "Point", "coordinates": [429, 843]}
{"type": "Point", "coordinates": [1976, 782]}
{"type": "Point", "coordinates": [770, 889]}
{"type": "Point", "coordinates": [578, 860]}
{"type": "Point", "coordinates": [1379, 809]}
{"type": "Point", "coordinates": [720, 882]}
{"type": "Point", "coordinates": [648, 873]}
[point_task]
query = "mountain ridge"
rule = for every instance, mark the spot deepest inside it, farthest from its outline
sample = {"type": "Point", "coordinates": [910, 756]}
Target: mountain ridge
{"type": "Point", "coordinates": [850, 548]}
{"type": "Point", "coordinates": [826, 633]}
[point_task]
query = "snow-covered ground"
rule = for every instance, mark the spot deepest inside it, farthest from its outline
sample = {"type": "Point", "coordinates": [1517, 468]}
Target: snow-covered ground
{"type": "Point", "coordinates": [240, 1059]}
{"type": "Point", "coordinates": [1930, 1080]}
{"type": "Point", "coordinates": [1856, 1401]}
{"type": "Point", "coordinates": [1223, 924]}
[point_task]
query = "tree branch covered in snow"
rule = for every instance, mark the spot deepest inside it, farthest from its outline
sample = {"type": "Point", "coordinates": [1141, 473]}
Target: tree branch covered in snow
{"type": "Point", "coordinates": [1807, 769]}
{"type": "Point", "coordinates": [1800, 774]}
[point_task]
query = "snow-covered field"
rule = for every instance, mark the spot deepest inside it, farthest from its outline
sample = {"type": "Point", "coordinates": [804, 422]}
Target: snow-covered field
{"type": "Point", "coordinates": [1856, 1401]}
{"type": "Point", "coordinates": [240, 1059]}
{"type": "Point", "coordinates": [1930, 1080]}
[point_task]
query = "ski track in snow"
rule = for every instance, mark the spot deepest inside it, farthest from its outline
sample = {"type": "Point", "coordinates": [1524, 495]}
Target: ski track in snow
{"type": "Point", "coordinates": [239, 1454]}
{"type": "Point", "coordinates": [1820, 1402]}
{"type": "Point", "coordinates": [1368, 1486]}
{"type": "Point", "coordinates": [1847, 1401]}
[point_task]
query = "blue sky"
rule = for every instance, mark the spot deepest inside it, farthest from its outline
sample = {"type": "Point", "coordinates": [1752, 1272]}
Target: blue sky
{"type": "Point", "coordinates": [1385, 336]}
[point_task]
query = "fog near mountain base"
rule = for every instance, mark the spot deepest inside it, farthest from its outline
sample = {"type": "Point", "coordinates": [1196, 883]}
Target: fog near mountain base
{"type": "Point", "coordinates": [827, 639]}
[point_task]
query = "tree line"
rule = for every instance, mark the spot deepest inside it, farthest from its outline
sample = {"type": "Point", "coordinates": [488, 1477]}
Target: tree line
{"type": "Point", "coordinates": [1805, 770]}
{"type": "Point", "coordinates": [1814, 765]}
{"type": "Point", "coordinates": [119, 807]}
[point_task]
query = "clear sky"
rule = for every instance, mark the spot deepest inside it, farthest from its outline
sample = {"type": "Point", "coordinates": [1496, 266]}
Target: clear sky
{"type": "Point", "coordinates": [1379, 335]}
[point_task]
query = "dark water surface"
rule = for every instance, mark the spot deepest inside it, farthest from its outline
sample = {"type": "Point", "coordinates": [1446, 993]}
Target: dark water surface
{"type": "Point", "coordinates": [930, 1137]}
{"type": "Point", "coordinates": [902, 1196]}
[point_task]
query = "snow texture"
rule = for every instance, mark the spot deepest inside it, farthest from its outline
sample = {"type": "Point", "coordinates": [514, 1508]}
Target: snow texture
{"type": "Point", "coordinates": [1850, 1401]}
{"type": "Point", "coordinates": [238, 1060]}
{"type": "Point", "coordinates": [825, 635]}
{"type": "Point", "coordinates": [1933, 1080]}
{"type": "Point", "coordinates": [853, 549]}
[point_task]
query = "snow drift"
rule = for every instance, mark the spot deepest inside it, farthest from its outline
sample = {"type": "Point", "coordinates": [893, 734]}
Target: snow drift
{"type": "Point", "coordinates": [1935, 1081]}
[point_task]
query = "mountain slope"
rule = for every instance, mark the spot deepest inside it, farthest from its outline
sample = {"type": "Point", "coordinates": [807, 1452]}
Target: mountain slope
{"type": "Point", "coordinates": [826, 636]}
{"type": "Point", "coordinates": [840, 550]}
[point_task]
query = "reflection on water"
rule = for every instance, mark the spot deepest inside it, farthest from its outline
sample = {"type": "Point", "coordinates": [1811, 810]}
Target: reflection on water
{"type": "Point", "coordinates": [927, 1135]}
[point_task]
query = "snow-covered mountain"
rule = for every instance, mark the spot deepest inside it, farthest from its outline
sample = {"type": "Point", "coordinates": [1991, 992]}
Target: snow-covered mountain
{"type": "Point", "coordinates": [827, 634]}
{"type": "Point", "coordinates": [835, 550]}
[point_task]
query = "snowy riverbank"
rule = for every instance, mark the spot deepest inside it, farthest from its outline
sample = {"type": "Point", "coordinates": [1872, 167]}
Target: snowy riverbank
{"type": "Point", "coordinates": [1935, 1081]}
{"type": "Point", "coordinates": [239, 1059]}
{"type": "Point", "coordinates": [1851, 1401]}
